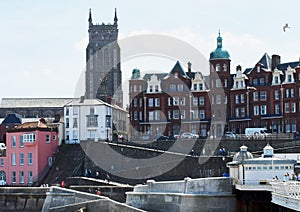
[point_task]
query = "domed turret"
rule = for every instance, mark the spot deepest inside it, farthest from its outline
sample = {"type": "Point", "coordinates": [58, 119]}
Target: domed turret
{"type": "Point", "coordinates": [219, 53]}
{"type": "Point", "coordinates": [268, 151]}
{"type": "Point", "coordinates": [242, 155]}
{"type": "Point", "coordinates": [136, 74]}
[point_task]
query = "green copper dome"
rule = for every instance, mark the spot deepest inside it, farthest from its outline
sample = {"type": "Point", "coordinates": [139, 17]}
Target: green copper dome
{"type": "Point", "coordinates": [219, 53]}
{"type": "Point", "coordinates": [136, 74]}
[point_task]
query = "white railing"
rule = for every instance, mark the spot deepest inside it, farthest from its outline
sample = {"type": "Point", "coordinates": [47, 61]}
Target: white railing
{"type": "Point", "coordinates": [289, 189]}
{"type": "Point", "coordinates": [286, 194]}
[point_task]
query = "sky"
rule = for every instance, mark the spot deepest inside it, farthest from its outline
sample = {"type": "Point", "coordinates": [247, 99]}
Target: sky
{"type": "Point", "coordinates": [42, 45]}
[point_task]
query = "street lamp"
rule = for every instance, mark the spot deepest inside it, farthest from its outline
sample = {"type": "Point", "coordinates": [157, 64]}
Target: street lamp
{"type": "Point", "coordinates": [249, 89]}
{"type": "Point", "coordinates": [281, 93]}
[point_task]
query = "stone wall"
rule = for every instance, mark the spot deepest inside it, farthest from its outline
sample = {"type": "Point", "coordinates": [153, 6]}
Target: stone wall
{"type": "Point", "coordinates": [22, 198]}
{"type": "Point", "coordinates": [206, 194]}
{"type": "Point", "coordinates": [61, 199]}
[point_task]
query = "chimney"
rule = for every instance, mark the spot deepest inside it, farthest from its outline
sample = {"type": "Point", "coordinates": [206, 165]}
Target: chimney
{"type": "Point", "coordinates": [238, 68]}
{"type": "Point", "coordinates": [189, 69]}
{"type": "Point", "coordinates": [275, 61]}
{"type": "Point", "coordinates": [81, 99]}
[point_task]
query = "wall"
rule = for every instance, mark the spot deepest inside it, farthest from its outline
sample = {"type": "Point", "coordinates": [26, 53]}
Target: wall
{"type": "Point", "coordinates": [206, 194]}
{"type": "Point", "coordinates": [22, 199]}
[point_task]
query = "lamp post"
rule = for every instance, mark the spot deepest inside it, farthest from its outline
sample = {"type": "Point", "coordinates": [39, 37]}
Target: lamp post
{"type": "Point", "coordinates": [281, 93]}
{"type": "Point", "coordinates": [107, 134]}
{"type": "Point", "coordinates": [249, 89]}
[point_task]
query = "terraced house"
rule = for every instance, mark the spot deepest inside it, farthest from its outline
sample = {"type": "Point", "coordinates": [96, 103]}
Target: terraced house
{"type": "Point", "coordinates": [30, 150]}
{"type": "Point", "coordinates": [265, 95]}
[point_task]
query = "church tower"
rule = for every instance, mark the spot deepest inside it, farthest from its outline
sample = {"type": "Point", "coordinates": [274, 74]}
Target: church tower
{"type": "Point", "coordinates": [103, 69]}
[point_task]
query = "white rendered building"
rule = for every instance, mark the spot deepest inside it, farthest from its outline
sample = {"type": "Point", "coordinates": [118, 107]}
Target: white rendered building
{"type": "Point", "coordinates": [92, 119]}
{"type": "Point", "coordinates": [245, 169]}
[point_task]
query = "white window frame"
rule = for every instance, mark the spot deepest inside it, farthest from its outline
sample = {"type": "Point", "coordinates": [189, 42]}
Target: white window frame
{"type": "Point", "coordinates": [263, 109]}
{"type": "Point", "coordinates": [202, 114]}
{"type": "Point", "coordinates": [175, 114]}
{"type": "Point", "coordinates": [157, 102]}
{"type": "Point", "coordinates": [195, 100]}
{"type": "Point", "coordinates": [22, 159]}
{"type": "Point", "coordinates": [13, 159]}
{"type": "Point", "coordinates": [201, 100]}
{"type": "Point", "coordinates": [255, 110]}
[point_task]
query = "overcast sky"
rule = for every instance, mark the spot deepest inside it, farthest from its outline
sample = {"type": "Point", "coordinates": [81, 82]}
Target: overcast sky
{"type": "Point", "coordinates": [42, 45]}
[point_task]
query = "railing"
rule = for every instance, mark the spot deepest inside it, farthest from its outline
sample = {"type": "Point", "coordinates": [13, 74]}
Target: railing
{"type": "Point", "coordinates": [286, 194]}
{"type": "Point", "coordinates": [288, 189]}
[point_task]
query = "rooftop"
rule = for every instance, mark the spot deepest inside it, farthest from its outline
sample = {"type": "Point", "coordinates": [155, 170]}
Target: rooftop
{"type": "Point", "coordinates": [33, 102]}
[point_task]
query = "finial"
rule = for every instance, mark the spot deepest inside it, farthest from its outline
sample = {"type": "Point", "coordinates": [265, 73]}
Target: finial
{"type": "Point", "coordinates": [115, 18]}
{"type": "Point", "coordinates": [90, 16]}
{"type": "Point", "coordinates": [219, 33]}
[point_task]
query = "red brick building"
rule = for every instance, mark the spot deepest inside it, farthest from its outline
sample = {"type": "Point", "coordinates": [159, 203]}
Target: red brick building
{"type": "Point", "coordinates": [266, 95]}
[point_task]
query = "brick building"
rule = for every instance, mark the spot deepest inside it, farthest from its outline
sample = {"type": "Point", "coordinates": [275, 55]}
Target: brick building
{"type": "Point", "coordinates": [266, 95]}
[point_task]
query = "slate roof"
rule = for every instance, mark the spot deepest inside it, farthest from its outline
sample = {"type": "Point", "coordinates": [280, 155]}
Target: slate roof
{"type": "Point", "coordinates": [160, 76]}
{"type": "Point", "coordinates": [179, 68]}
{"type": "Point", "coordinates": [33, 102]}
{"type": "Point", "coordinates": [284, 66]}
{"type": "Point", "coordinates": [12, 118]}
{"type": "Point", "coordinates": [266, 61]}
{"type": "Point", "coordinates": [77, 102]}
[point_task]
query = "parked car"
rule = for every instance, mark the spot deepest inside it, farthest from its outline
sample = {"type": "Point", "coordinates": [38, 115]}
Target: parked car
{"type": "Point", "coordinates": [163, 138]}
{"type": "Point", "coordinates": [176, 136]}
{"type": "Point", "coordinates": [256, 132]}
{"type": "Point", "coordinates": [188, 135]}
{"type": "Point", "coordinates": [229, 135]}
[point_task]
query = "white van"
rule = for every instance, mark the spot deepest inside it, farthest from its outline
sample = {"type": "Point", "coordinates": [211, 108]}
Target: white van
{"type": "Point", "coordinates": [256, 132]}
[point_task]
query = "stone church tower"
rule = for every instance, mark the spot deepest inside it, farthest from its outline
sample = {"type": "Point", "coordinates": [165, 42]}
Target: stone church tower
{"type": "Point", "coordinates": [103, 69]}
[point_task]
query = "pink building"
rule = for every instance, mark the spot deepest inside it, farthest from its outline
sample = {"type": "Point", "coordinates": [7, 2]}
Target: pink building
{"type": "Point", "coordinates": [30, 148]}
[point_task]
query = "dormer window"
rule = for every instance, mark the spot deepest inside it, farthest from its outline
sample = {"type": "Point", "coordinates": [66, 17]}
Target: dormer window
{"type": "Point", "coordinates": [201, 87]}
{"type": "Point", "coordinates": [153, 84]}
{"type": "Point", "coordinates": [276, 80]}
{"type": "Point", "coordinates": [176, 75]}
{"type": "Point", "coordinates": [236, 84]}
{"type": "Point", "coordinates": [289, 78]}
{"type": "Point", "coordinates": [258, 69]}
{"type": "Point", "coordinates": [195, 87]}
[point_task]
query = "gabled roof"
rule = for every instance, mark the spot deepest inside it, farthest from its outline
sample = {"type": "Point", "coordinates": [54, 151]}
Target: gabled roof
{"type": "Point", "coordinates": [265, 61]}
{"type": "Point", "coordinates": [12, 119]}
{"type": "Point", "coordinates": [178, 68]}
{"type": "Point", "coordinates": [87, 102]}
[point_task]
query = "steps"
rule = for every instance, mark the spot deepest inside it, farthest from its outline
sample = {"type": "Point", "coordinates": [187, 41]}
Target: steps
{"type": "Point", "coordinates": [68, 162]}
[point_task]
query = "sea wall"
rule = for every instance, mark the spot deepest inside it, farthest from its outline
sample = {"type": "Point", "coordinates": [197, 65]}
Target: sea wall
{"type": "Point", "coordinates": [204, 194]}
